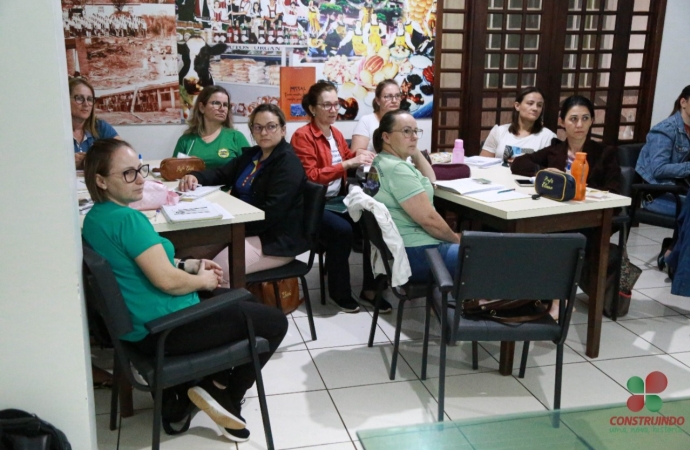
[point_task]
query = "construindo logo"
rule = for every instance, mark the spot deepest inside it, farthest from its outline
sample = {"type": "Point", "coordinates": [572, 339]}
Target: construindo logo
{"type": "Point", "coordinates": [645, 394]}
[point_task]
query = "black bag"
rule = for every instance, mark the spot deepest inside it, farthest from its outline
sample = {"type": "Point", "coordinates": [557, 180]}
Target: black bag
{"type": "Point", "coordinates": [20, 430]}
{"type": "Point", "coordinates": [554, 185]}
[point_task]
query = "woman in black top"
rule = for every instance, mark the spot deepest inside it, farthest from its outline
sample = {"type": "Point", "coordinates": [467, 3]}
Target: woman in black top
{"type": "Point", "coordinates": [270, 177]}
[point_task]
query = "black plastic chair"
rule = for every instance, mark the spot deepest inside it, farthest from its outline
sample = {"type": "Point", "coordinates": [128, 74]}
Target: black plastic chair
{"type": "Point", "coordinates": [628, 155]}
{"type": "Point", "coordinates": [406, 292]}
{"type": "Point", "coordinates": [160, 371]}
{"type": "Point", "coordinates": [533, 266]}
{"type": "Point", "coordinates": [314, 203]}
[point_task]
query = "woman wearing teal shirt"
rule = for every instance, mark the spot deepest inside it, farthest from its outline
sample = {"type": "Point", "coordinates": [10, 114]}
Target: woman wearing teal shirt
{"type": "Point", "coordinates": [407, 192]}
{"type": "Point", "coordinates": [210, 135]}
{"type": "Point", "coordinates": [153, 284]}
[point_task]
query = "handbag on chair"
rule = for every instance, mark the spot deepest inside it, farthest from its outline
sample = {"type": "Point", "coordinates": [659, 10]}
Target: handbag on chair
{"type": "Point", "coordinates": [506, 311]}
{"type": "Point", "coordinates": [288, 289]}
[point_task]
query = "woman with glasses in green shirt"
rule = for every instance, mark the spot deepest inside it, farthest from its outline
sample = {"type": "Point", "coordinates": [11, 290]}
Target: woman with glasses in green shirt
{"type": "Point", "coordinates": [210, 135]}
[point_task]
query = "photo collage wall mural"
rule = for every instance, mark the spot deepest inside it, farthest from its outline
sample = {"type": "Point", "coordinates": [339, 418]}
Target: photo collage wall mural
{"type": "Point", "coordinates": [149, 61]}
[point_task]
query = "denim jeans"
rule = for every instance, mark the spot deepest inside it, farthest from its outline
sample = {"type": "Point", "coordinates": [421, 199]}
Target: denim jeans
{"type": "Point", "coordinates": [421, 271]}
{"type": "Point", "coordinates": [664, 204]}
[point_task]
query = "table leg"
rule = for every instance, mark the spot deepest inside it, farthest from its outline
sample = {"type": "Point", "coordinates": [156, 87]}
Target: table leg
{"type": "Point", "coordinates": [236, 257]}
{"type": "Point", "coordinates": [505, 363]}
{"type": "Point", "coordinates": [598, 259]}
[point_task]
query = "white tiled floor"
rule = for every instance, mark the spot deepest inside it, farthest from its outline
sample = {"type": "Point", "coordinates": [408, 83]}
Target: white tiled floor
{"type": "Point", "coordinates": [321, 393]}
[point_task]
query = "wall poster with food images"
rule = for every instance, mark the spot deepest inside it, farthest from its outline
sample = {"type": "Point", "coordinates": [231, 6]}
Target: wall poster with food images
{"type": "Point", "coordinates": [355, 44]}
{"type": "Point", "coordinates": [126, 50]}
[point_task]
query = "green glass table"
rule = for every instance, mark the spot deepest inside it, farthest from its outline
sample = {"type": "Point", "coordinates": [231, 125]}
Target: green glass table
{"type": "Point", "coordinates": [606, 427]}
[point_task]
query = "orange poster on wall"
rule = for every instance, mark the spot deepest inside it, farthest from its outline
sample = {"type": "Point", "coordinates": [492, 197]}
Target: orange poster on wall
{"type": "Point", "coordinates": [294, 83]}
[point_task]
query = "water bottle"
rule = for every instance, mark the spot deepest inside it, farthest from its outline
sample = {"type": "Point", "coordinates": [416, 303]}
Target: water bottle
{"type": "Point", "coordinates": [579, 171]}
{"type": "Point", "coordinates": [458, 152]}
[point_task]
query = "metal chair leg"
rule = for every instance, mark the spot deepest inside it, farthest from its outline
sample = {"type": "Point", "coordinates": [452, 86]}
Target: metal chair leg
{"type": "Point", "coordinates": [377, 306]}
{"type": "Point", "coordinates": [559, 377]}
{"type": "Point", "coordinates": [310, 314]}
{"type": "Point", "coordinates": [523, 360]}
{"type": "Point", "coordinates": [322, 279]}
{"type": "Point", "coordinates": [157, 413]}
{"type": "Point", "coordinates": [425, 348]}
{"type": "Point", "coordinates": [259, 384]}
{"type": "Point", "coordinates": [114, 394]}
{"type": "Point", "coordinates": [442, 359]}
{"type": "Point", "coordinates": [396, 341]}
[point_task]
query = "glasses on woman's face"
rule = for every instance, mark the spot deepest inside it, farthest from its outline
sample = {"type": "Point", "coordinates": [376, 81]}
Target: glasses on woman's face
{"type": "Point", "coordinates": [329, 106]}
{"type": "Point", "coordinates": [269, 127]}
{"type": "Point", "coordinates": [409, 132]}
{"type": "Point", "coordinates": [130, 175]}
{"type": "Point", "coordinates": [215, 104]}
{"type": "Point", "coordinates": [80, 99]}
{"type": "Point", "coordinates": [392, 97]}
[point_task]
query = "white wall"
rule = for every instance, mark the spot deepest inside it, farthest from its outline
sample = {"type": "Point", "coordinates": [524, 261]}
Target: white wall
{"type": "Point", "coordinates": [158, 141]}
{"type": "Point", "coordinates": [674, 61]}
{"type": "Point", "coordinates": [44, 355]}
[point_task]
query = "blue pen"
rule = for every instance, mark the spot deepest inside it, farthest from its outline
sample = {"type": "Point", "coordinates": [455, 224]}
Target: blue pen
{"type": "Point", "coordinates": [505, 190]}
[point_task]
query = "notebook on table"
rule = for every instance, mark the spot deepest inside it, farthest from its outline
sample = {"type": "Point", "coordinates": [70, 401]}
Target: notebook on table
{"type": "Point", "coordinates": [189, 211]}
{"type": "Point", "coordinates": [466, 186]}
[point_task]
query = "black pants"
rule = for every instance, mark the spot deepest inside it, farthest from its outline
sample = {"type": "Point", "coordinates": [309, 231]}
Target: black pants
{"type": "Point", "coordinates": [222, 328]}
{"type": "Point", "coordinates": [337, 235]}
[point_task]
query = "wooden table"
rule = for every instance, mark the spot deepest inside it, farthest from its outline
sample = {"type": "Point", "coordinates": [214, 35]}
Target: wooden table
{"type": "Point", "coordinates": [544, 216]}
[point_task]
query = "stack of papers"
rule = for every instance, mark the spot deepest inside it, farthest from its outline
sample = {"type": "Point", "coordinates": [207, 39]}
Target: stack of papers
{"type": "Point", "coordinates": [200, 191]}
{"type": "Point", "coordinates": [498, 196]}
{"type": "Point", "coordinates": [482, 161]}
{"type": "Point", "coordinates": [188, 211]}
{"type": "Point", "coordinates": [466, 186]}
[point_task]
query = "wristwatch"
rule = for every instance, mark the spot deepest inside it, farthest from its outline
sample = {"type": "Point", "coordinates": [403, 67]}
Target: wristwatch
{"type": "Point", "coordinates": [180, 263]}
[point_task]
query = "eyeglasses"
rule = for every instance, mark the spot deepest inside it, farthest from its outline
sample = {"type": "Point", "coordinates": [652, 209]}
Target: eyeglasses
{"type": "Point", "coordinates": [392, 97]}
{"type": "Point", "coordinates": [329, 106]}
{"type": "Point", "coordinates": [80, 99]}
{"type": "Point", "coordinates": [409, 132]}
{"type": "Point", "coordinates": [269, 127]}
{"type": "Point", "coordinates": [215, 104]}
{"type": "Point", "coordinates": [575, 119]}
{"type": "Point", "coordinates": [130, 175]}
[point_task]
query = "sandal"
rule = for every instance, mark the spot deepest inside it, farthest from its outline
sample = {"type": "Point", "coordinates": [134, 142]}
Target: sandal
{"type": "Point", "coordinates": [660, 261]}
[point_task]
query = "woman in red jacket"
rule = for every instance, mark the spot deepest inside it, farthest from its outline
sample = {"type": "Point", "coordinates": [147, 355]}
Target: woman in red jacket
{"type": "Point", "coordinates": [326, 159]}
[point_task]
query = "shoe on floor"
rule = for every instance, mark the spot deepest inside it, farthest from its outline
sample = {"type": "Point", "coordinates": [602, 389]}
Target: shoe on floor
{"type": "Point", "coordinates": [348, 305]}
{"type": "Point", "coordinates": [384, 306]}
{"type": "Point", "coordinates": [660, 260]}
{"type": "Point", "coordinates": [216, 403]}
{"type": "Point", "coordinates": [235, 435]}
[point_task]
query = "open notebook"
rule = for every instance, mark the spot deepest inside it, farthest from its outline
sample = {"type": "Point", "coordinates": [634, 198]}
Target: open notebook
{"type": "Point", "coordinates": [466, 186]}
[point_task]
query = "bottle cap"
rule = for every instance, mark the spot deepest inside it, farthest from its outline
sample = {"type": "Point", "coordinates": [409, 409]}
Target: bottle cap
{"type": "Point", "coordinates": [458, 143]}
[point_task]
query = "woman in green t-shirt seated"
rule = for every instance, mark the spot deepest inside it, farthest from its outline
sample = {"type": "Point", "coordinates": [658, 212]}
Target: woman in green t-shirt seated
{"type": "Point", "coordinates": [210, 135]}
{"type": "Point", "coordinates": [153, 284]}
{"type": "Point", "coordinates": [407, 192]}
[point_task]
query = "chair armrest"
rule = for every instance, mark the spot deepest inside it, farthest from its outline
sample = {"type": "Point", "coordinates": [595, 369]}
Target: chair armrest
{"type": "Point", "coordinates": [670, 188]}
{"type": "Point", "coordinates": [439, 270]}
{"type": "Point", "coordinates": [196, 312]}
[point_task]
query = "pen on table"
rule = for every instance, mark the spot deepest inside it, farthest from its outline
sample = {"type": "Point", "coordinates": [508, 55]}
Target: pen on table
{"type": "Point", "coordinates": [155, 218]}
{"type": "Point", "coordinates": [505, 190]}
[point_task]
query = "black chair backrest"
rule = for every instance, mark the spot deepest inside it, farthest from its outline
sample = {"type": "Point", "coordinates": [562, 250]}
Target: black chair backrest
{"type": "Point", "coordinates": [518, 266]}
{"type": "Point", "coordinates": [314, 204]}
{"type": "Point", "coordinates": [104, 293]}
{"type": "Point", "coordinates": [627, 179]}
{"type": "Point", "coordinates": [628, 154]}
{"type": "Point", "coordinates": [375, 236]}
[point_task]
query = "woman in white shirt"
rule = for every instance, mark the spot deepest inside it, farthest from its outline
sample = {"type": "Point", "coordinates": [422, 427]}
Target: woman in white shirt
{"type": "Point", "coordinates": [387, 99]}
{"type": "Point", "coordinates": [526, 132]}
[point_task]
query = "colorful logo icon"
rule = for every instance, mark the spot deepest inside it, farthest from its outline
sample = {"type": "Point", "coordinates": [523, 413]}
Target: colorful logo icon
{"type": "Point", "coordinates": [644, 392]}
